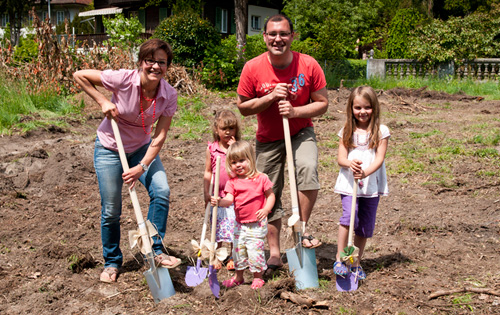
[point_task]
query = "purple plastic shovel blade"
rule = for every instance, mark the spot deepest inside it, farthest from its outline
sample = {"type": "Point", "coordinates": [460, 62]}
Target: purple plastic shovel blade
{"type": "Point", "coordinates": [212, 281]}
{"type": "Point", "coordinates": [348, 283]}
{"type": "Point", "coordinates": [195, 275]}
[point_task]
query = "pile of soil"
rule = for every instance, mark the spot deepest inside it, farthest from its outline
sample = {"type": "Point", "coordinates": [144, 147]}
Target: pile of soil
{"type": "Point", "coordinates": [428, 238]}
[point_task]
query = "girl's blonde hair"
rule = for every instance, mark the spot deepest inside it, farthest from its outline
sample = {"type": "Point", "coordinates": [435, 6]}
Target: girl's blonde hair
{"type": "Point", "coordinates": [241, 150]}
{"type": "Point", "coordinates": [369, 94]}
{"type": "Point", "coordinates": [223, 119]}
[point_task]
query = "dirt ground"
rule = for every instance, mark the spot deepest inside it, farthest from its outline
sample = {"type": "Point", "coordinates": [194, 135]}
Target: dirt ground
{"type": "Point", "coordinates": [428, 238]}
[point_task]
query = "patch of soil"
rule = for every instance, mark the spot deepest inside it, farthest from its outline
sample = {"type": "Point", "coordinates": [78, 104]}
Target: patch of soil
{"type": "Point", "coordinates": [428, 237]}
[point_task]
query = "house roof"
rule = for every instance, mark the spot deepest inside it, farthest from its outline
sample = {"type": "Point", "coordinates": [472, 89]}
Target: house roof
{"type": "Point", "coordinates": [84, 2]}
{"type": "Point", "coordinates": [106, 11]}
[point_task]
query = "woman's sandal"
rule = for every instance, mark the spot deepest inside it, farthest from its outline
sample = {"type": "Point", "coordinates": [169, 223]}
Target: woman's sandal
{"type": "Point", "coordinates": [310, 238]}
{"type": "Point", "coordinates": [165, 261]}
{"type": "Point", "coordinates": [359, 272]}
{"type": "Point", "coordinates": [231, 283]}
{"type": "Point", "coordinates": [109, 275]}
{"type": "Point", "coordinates": [257, 283]}
{"type": "Point", "coordinates": [340, 269]}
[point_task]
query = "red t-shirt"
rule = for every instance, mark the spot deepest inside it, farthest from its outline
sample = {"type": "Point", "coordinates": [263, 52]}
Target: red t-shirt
{"type": "Point", "coordinates": [249, 196]}
{"type": "Point", "coordinates": [259, 78]}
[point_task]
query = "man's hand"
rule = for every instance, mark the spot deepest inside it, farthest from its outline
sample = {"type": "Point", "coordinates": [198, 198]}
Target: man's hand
{"type": "Point", "coordinates": [286, 109]}
{"type": "Point", "coordinates": [280, 91]}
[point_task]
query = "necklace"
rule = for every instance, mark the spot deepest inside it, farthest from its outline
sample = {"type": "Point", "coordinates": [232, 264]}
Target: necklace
{"type": "Point", "coordinates": [153, 100]}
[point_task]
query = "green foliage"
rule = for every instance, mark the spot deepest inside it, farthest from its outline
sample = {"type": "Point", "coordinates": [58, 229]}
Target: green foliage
{"type": "Point", "coordinates": [347, 70]}
{"type": "Point", "coordinates": [190, 36]}
{"type": "Point", "coordinates": [471, 37]}
{"type": "Point", "coordinates": [123, 32]}
{"type": "Point", "coordinates": [27, 50]}
{"type": "Point", "coordinates": [335, 26]}
{"type": "Point", "coordinates": [400, 27]}
{"type": "Point", "coordinates": [189, 119]}
{"type": "Point", "coordinates": [221, 68]}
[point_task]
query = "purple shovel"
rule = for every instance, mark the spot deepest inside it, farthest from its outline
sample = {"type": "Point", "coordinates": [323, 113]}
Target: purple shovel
{"type": "Point", "coordinates": [212, 272]}
{"type": "Point", "coordinates": [350, 254]}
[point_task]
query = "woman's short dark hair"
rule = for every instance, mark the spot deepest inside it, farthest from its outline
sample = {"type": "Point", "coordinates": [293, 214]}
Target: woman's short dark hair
{"type": "Point", "coordinates": [278, 18]}
{"type": "Point", "coordinates": [149, 47]}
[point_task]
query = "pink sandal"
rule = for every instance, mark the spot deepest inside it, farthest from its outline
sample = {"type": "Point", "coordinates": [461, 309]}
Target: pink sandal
{"type": "Point", "coordinates": [257, 283]}
{"type": "Point", "coordinates": [231, 283]}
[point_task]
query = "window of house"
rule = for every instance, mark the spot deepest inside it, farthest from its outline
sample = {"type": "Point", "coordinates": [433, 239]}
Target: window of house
{"type": "Point", "coordinates": [255, 22]}
{"type": "Point", "coordinates": [4, 21]}
{"type": "Point", "coordinates": [44, 16]}
{"type": "Point", "coordinates": [223, 28]}
{"type": "Point", "coordinates": [59, 17]}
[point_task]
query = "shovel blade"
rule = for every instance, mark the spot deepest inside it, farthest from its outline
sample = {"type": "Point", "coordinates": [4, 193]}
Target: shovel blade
{"type": "Point", "coordinates": [164, 288]}
{"type": "Point", "coordinates": [212, 281]}
{"type": "Point", "coordinates": [348, 283]}
{"type": "Point", "coordinates": [303, 269]}
{"type": "Point", "coordinates": [195, 275]}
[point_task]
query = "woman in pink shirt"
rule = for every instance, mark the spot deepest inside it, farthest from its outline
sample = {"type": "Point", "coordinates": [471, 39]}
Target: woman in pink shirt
{"type": "Point", "coordinates": [140, 98]}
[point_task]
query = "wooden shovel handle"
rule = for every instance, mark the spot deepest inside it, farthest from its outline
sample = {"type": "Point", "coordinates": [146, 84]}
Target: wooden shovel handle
{"type": "Point", "coordinates": [353, 213]}
{"type": "Point", "coordinates": [207, 212]}
{"type": "Point", "coordinates": [133, 195]}
{"type": "Point", "coordinates": [291, 166]}
{"type": "Point", "coordinates": [214, 209]}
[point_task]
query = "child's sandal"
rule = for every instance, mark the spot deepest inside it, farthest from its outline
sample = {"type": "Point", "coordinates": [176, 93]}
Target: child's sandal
{"type": "Point", "coordinates": [340, 269]}
{"type": "Point", "coordinates": [359, 272]}
{"type": "Point", "coordinates": [231, 283]}
{"type": "Point", "coordinates": [257, 283]}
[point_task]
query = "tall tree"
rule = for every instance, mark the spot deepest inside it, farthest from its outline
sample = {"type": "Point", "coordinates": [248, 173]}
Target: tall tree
{"type": "Point", "coordinates": [17, 12]}
{"type": "Point", "coordinates": [241, 21]}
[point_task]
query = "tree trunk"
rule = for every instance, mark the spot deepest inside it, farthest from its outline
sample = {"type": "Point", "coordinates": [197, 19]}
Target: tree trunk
{"type": "Point", "coordinates": [241, 21]}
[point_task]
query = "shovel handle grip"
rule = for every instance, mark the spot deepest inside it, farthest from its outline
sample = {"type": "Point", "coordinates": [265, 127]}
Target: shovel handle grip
{"type": "Point", "coordinates": [133, 194]}
{"type": "Point", "coordinates": [214, 209]}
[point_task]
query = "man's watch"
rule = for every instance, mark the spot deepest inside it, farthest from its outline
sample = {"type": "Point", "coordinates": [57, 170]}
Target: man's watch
{"type": "Point", "coordinates": [144, 167]}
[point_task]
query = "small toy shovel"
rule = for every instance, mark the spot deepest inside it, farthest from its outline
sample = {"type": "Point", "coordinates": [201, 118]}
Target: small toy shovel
{"type": "Point", "coordinates": [351, 253]}
{"type": "Point", "coordinates": [195, 275]}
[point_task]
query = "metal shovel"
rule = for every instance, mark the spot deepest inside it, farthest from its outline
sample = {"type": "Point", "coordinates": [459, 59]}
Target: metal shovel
{"type": "Point", "coordinates": [212, 272]}
{"type": "Point", "coordinates": [350, 254]}
{"type": "Point", "coordinates": [196, 275]}
{"type": "Point", "coordinates": [301, 261]}
{"type": "Point", "coordinates": [158, 279]}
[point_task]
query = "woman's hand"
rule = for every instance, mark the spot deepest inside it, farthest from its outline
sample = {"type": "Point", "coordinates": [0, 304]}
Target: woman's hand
{"type": "Point", "coordinates": [109, 110]}
{"type": "Point", "coordinates": [132, 175]}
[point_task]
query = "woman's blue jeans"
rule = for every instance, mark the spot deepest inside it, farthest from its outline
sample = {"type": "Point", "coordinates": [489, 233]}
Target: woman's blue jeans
{"type": "Point", "coordinates": [109, 175]}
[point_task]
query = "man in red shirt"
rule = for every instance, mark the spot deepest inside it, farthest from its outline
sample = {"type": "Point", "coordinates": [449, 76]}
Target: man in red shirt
{"type": "Point", "coordinates": [279, 83]}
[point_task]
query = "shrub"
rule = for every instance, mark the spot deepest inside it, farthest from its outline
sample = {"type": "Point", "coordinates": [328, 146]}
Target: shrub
{"type": "Point", "coordinates": [400, 28]}
{"type": "Point", "coordinates": [347, 70]}
{"type": "Point", "coordinates": [471, 37]}
{"type": "Point", "coordinates": [27, 50]}
{"type": "Point", "coordinates": [123, 32]}
{"type": "Point", "coordinates": [221, 68]}
{"type": "Point", "coordinates": [190, 36]}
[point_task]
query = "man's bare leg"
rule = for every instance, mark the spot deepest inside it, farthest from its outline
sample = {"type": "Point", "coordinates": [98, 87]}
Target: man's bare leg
{"type": "Point", "coordinates": [273, 240]}
{"type": "Point", "coordinates": [307, 199]}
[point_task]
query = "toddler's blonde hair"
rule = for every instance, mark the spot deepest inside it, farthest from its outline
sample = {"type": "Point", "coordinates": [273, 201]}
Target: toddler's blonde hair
{"type": "Point", "coordinates": [241, 150]}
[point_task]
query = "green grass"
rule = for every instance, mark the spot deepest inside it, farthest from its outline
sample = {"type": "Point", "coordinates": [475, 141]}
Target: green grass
{"type": "Point", "coordinates": [488, 89]}
{"type": "Point", "coordinates": [189, 119]}
{"type": "Point", "coordinates": [22, 111]}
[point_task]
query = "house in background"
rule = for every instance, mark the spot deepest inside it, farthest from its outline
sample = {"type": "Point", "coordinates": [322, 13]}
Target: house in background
{"type": "Point", "coordinates": [220, 13]}
{"type": "Point", "coordinates": [61, 10]}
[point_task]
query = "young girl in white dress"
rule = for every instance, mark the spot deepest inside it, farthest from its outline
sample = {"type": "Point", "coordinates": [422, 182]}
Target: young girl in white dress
{"type": "Point", "coordinates": [362, 147]}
